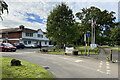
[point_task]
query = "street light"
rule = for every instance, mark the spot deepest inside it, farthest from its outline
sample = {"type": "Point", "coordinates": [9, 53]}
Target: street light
{"type": "Point", "coordinates": [88, 35]}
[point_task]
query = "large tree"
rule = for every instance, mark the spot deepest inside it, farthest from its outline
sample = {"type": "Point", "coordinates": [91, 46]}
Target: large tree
{"type": "Point", "coordinates": [60, 25]}
{"type": "Point", "coordinates": [105, 21]}
{"type": "Point", "coordinates": [3, 7]}
{"type": "Point", "coordinates": [115, 35]}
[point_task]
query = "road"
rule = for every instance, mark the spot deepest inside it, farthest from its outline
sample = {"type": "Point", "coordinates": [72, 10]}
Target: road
{"type": "Point", "coordinates": [62, 66]}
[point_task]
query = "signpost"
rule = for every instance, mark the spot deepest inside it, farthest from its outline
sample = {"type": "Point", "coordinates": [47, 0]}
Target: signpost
{"type": "Point", "coordinates": [88, 35]}
{"type": "Point", "coordinates": [69, 49]}
{"type": "Point", "coordinates": [85, 43]}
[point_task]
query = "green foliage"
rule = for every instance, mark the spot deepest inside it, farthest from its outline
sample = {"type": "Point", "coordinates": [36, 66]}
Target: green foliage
{"type": "Point", "coordinates": [27, 70]}
{"type": "Point", "coordinates": [105, 21]}
{"type": "Point", "coordinates": [60, 25]}
{"type": "Point", "coordinates": [115, 35]}
{"type": "Point", "coordinates": [3, 7]}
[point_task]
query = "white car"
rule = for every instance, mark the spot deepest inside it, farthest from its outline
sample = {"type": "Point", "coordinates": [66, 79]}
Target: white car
{"type": "Point", "coordinates": [34, 45]}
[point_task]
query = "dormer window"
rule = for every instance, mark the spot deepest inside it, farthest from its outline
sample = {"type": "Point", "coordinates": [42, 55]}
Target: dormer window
{"type": "Point", "coordinates": [29, 34]}
{"type": "Point", "coordinates": [40, 36]}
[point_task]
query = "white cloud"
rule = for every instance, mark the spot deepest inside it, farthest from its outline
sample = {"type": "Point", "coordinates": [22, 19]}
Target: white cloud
{"type": "Point", "coordinates": [18, 9]}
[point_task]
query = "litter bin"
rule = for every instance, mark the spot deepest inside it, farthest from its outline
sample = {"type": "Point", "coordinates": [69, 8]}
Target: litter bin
{"type": "Point", "coordinates": [75, 52]}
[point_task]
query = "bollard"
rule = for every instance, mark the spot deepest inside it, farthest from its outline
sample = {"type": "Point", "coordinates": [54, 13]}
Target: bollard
{"type": "Point", "coordinates": [111, 55]}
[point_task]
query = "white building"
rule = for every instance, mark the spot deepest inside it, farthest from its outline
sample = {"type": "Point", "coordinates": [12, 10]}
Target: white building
{"type": "Point", "coordinates": [24, 35]}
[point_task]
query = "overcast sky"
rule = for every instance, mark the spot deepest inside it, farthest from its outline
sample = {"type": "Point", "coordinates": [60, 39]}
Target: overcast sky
{"type": "Point", "coordinates": [33, 13]}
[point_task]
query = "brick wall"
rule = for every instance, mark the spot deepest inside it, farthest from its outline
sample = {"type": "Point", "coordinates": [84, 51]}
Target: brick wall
{"type": "Point", "coordinates": [13, 41]}
{"type": "Point", "coordinates": [3, 35]}
{"type": "Point", "coordinates": [14, 35]}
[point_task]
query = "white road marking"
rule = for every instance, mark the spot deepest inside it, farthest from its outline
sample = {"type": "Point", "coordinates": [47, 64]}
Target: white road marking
{"type": "Point", "coordinates": [101, 63]}
{"type": "Point", "coordinates": [100, 66]}
{"type": "Point", "coordinates": [107, 67]}
{"type": "Point", "coordinates": [98, 70]}
{"type": "Point", "coordinates": [78, 60]}
{"type": "Point", "coordinates": [65, 58]}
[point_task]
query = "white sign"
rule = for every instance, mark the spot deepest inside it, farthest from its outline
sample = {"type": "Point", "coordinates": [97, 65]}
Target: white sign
{"type": "Point", "coordinates": [69, 49]}
{"type": "Point", "coordinates": [84, 37]}
{"type": "Point", "coordinates": [0, 36]}
{"type": "Point", "coordinates": [93, 46]}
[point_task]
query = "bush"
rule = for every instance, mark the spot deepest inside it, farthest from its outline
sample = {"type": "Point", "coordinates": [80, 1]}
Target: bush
{"type": "Point", "coordinates": [70, 45]}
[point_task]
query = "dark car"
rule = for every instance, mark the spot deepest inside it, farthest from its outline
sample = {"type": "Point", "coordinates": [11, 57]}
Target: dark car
{"type": "Point", "coordinates": [7, 47]}
{"type": "Point", "coordinates": [19, 45]}
{"type": "Point", "coordinates": [112, 45]}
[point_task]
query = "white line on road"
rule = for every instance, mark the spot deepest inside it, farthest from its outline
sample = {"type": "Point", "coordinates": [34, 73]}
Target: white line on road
{"type": "Point", "coordinates": [78, 60]}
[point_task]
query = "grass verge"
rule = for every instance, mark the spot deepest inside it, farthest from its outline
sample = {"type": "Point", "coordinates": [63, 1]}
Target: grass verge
{"type": "Point", "coordinates": [62, 52]}
{"type": "Point", "coordinates": [27, 70]}
{"type": "Point", "coordinates": [114, 48]}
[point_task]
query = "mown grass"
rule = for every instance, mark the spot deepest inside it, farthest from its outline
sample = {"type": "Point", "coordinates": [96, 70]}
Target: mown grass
{"type": "Point", "coordinates": [83, 48]}
{"type": "Point", "coordinates": [26, 70]}
{"type": "Point", "coordinates": [114, 48]}
{"type": "Point", "coordinates": [62, 52]}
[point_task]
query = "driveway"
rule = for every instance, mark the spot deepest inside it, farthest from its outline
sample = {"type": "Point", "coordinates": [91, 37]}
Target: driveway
{"type": "Point", "coordinates": [62, 66]}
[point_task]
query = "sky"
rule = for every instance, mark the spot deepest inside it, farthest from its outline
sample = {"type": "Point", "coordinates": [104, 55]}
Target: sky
{"type": "Point", "coordinates": [33, 13]}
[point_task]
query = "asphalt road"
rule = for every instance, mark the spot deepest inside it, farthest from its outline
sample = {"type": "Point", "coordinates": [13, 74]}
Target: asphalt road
{"type": "Point", "coordinates": [62, 66]}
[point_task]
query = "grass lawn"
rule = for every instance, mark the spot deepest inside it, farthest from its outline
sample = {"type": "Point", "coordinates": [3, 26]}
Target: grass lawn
{"type": "Point", "coordinates": [61, 51]}
{"type": "Point", "coordinates": [114, 48]}
{"type": "Point", "coordinates": [27, 70]}
{"type": "Point", "coordinates": [83, 48]}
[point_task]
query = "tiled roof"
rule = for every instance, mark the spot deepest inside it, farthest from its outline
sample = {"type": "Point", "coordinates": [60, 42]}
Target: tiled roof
{"type": "Point", "coordinates": [10, 30]}
{"type": "Point", "coordinates": [18, 29]}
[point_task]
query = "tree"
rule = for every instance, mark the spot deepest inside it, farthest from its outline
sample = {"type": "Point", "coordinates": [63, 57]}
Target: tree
{"type": "Point", "coordinates": [115, 35]}
{"type": "Point", "coordinates": [3, 6]}
{"type": "Point", "coordinates": [105, 21]}
{"type": "Point", "coordinates": [60, 25]}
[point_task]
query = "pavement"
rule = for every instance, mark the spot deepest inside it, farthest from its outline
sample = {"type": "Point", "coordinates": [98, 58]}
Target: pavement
{"type": "Point", "coordinates": [62, 66]}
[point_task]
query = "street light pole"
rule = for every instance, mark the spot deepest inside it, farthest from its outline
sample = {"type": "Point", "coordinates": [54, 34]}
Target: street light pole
{"type": "Point", "coordinates": [92, 32]}
{"type": "Point", "coordinates": [85, 42]}
{"type": "Point", "coordinates": [88, 46]}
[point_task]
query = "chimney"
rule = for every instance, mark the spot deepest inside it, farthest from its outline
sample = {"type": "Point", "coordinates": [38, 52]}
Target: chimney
{"type": "Point", "coordinates": [21, 27]}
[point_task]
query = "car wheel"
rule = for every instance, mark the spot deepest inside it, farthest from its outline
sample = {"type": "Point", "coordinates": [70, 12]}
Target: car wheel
{"type": "Point", "coordinates": [14, 50]}
{"type": "Point", "coordinates": [5, 50]}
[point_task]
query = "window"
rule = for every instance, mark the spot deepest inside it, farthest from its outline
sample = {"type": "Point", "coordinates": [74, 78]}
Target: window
{"type": "Point", "coordinates": [29, 42]}
{"type": "Point", "coordinates": [39, 35]}
{"type": "Point", "coordinates": [29, 34]}
{"type": "Point", "coordinates": [0, 35]}
{"type": "Point", "coordinates": [45, 42]}
{"type": "Point", "coordinates": [25, 42]}
{"type": "Point", "coordinates": [6, 35]}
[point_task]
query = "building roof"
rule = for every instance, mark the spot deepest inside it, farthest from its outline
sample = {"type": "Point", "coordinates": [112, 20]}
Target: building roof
{"type": "Point", "coordinates": [10, 30]}
{"type": "Point", "coordinates": [19, 29]}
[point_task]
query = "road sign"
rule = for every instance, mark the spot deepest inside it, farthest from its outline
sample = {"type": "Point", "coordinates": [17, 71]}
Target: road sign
{"type": "Point", "coordinates": [88, 34]}
{"type": "Point", "coordinates": [69, 49]}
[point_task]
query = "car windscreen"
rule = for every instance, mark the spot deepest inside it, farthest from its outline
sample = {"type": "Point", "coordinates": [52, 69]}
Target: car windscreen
{"type": "Point", "coordinates": [8, 45]}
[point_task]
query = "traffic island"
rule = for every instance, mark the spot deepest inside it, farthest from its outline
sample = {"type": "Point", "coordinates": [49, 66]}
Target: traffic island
{"type": "Point", "coordinates": [26, 70]}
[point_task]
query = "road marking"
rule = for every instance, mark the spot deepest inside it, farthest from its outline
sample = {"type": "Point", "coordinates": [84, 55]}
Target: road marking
{"type": "Point", "coordinates": [98, 70]}
{"type": "Point", "coordinates": [78, 61]}
{"type": "Point", "coordinates": [64, 58]}
{"type": "Point", "coordinates": [100, 66]}
{"type": "Point", "coordinates": [101, 63]}
{"type": "Point", "coordinates": [107, 67]}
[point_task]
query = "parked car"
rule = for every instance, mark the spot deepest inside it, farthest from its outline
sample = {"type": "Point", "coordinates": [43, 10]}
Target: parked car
{"type": "Point", "coordinates": [112, 45]}
{"type": "Point", "coordinates": [19, 45]}
{"type": "Point", "coordinates": [34, 45]}
{"type": "Point", "coordinates": [7, 47]}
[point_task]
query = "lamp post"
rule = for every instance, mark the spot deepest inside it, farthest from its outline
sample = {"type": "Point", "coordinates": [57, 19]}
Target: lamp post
{"type": "Point", "coordinates": [85, 43]}
{"type": "Point", "coordinates": [88, 35]}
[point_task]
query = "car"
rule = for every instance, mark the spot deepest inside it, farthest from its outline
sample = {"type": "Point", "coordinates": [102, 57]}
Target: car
{"type": "Point", "coordinates": [7, 47]}
{"type": "Point", "coordinates": [34, 45]}
{"type": "Point", "coordinates": [19, 45]}
{"type": "Point", "coordinates": [112, 45]}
